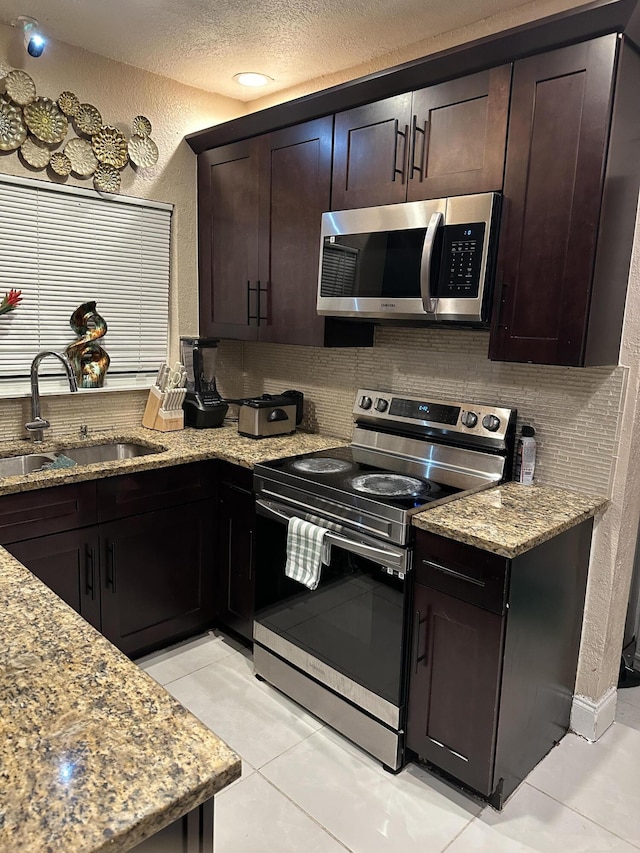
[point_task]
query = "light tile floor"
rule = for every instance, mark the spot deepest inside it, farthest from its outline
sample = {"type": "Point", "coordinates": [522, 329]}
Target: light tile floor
{"type": "Point", "coordinates": [305, 788]}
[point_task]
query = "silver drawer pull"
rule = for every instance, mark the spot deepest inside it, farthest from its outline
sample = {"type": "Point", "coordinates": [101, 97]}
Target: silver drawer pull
{"type": "Point", "coordinates": [452, 573]}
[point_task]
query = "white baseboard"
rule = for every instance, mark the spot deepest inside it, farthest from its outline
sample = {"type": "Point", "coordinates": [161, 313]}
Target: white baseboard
{"type": "Point", "coordinates": [591, 719]}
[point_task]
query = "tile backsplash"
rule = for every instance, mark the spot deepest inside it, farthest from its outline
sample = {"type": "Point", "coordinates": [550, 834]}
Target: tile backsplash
{"type": "Point", "coordinates": [575, 411]}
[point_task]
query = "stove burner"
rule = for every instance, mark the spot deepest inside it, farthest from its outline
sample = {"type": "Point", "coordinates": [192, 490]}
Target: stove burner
{"type": "Point", "coordinates": [389, 485]}
{"type": "Point", "coordinates": [323, 465]}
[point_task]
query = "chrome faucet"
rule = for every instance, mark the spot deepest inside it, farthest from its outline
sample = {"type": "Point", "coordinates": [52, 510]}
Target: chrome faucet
{"type": "Point", "coordinates": [37, 423]}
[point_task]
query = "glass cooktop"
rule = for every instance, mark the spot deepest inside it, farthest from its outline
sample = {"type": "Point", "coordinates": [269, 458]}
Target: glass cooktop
{"type": "Point", "coordinates": [350, 471]}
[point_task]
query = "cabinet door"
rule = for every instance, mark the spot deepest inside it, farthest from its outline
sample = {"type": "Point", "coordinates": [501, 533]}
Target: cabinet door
{"type": "Point", "coordinates": [295, 188]}
{"type": "Point", "coordinates": [228, 240]}
{"type": "Point", "coordinates": [454, 686]}
{"type": "Point", "coordinates": [558, 129]}
{"type": "Point", "coordinates": [236, 583]}
{"type": "Point", "coordinates": [157, 576]}
{"type": "Point", "coordinates": [458, 136]}
{"type": "Point", "coordinates": [370, 151]}
{"type": "Point", "coordinates": [68, 564]}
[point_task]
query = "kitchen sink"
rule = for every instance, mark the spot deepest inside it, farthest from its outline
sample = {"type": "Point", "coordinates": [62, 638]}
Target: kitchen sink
{"type": "Point", "coordinates": [106, 452]}
{"type": "Point", "coordinates": [14, 466]}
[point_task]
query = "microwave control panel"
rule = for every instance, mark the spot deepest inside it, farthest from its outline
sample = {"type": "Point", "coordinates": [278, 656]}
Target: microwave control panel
{"type": "Point", "coordinates": [461, 260]}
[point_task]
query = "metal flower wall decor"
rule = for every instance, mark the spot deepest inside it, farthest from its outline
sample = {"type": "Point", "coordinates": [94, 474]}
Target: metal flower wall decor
{"type": "Point", "coordinates": [37, 128]}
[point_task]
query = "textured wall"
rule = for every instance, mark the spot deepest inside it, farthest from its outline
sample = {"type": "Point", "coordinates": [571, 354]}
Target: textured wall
{"type": "Point", "coordinates": [575, 412]}
{"type": "Point", "coordinates": [121, 92]}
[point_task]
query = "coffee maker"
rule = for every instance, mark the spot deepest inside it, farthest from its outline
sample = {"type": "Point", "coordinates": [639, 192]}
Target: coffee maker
{"type": "Point", "coordinates": [203, 406]}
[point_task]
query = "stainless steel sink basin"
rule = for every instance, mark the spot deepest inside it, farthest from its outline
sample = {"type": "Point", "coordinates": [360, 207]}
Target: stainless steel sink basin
{"type": "Point", "coordinates": [14, 466]}
{"type": "Point", "coordinates": [106, 452]}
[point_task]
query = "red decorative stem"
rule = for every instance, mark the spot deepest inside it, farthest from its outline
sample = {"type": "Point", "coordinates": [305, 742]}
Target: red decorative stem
{"type": "Point", "coordinates": [11, 300]}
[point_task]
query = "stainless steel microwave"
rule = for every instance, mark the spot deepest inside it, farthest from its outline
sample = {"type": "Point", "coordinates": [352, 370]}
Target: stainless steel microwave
{"type": "Point", "coordinates": [419, 261]}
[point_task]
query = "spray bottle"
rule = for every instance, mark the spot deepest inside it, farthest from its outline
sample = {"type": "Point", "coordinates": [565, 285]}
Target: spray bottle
{"type": "Point", "coordinates": [525, 456]}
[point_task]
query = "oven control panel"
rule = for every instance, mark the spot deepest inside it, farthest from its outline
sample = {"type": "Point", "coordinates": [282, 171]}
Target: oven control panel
{"type": "Point", "coordinates": [430, 414]}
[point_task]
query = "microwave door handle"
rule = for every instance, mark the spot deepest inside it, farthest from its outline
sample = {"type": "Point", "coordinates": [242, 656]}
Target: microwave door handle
{"type": "Point", "coordinates": [429, 302]}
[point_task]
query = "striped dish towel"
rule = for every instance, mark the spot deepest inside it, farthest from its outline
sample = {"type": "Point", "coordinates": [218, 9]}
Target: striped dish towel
{"type": "Point", "coordinates": [306, 551]}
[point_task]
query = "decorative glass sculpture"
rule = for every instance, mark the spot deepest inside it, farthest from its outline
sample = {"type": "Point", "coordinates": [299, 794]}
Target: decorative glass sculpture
{"type": "Point", "coordinates": [89, 360]}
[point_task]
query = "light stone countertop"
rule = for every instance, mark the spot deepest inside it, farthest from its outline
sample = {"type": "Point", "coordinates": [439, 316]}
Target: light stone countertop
{"type": "Point", "coordinates": [510, 519]}
{"type": "Point", "coordinates": [94, 755]}
{"type": "Point", "coordinates": [174, 448]}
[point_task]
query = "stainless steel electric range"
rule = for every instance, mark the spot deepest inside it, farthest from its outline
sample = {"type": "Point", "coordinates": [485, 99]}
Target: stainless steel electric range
{"type": "Point", "coordinates": [340, 650]}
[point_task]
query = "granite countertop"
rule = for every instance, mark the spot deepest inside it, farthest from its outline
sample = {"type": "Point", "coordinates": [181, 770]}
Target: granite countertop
{"type": "Point", "coordinates": [94, 755]}
{"type": "Point", "coordinates": [510, 519]}
{"type": "Point", "coordinates": [174, 448]}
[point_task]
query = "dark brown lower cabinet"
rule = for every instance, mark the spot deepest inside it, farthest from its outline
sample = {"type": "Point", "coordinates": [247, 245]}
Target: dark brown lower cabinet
{"type": "Point", "coordinates": [495, 645]}
{"type": "Point", "coordinates": [145, 575]}
{"type": "Point", "coordinates": [68, 564]}
{"type": "Point", "coordinates": [157, 576]}
{"type": "Point", "coordinates": [235, 570]}
{"type": "Point", "coordinates": [454, 699]}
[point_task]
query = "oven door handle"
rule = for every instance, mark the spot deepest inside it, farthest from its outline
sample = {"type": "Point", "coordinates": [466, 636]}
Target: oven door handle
{"type": "Point", "coordinates": [398, 561]}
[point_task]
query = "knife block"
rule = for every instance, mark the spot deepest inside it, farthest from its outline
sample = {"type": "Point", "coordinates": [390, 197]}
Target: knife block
{"type": "Point", "coordinates": [155, 417]}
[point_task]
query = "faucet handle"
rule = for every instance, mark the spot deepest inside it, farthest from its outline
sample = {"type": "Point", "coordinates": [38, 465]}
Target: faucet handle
{"type": "Point", "coordinates": [36, 424]}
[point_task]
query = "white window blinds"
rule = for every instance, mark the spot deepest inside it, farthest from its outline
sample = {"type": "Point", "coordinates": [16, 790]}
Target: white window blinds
{"type": "Point", "coordinates": [63, 246]}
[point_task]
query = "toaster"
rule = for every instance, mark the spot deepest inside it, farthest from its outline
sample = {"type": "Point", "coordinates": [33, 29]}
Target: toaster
{"type": "Point", "coordinates": [270, 414]}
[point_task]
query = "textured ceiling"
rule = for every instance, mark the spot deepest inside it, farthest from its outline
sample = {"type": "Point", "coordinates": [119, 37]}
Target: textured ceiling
{"type": "Point", "coordinates": [205, 42]}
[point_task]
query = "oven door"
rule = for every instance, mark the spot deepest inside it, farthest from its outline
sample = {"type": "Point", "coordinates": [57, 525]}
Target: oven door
{"type": "Point", "coordinates": [349, 634]}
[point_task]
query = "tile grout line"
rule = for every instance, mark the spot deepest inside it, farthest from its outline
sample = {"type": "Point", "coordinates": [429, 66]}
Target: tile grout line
{"type": "Point", "coordinates": [193, 671]}
{"type": "Point", "coordinates": [581, 814]}
{"type": "Point", "coordinates": [458, 834]}
{"type": "Point", "coordinates": [299, 807]}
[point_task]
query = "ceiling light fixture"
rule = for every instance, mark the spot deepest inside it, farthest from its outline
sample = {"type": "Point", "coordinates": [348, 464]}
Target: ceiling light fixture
{"type": "Point", "coordinates": [252, 78]}
{"type": "Point", "coordinates": [34, 41]}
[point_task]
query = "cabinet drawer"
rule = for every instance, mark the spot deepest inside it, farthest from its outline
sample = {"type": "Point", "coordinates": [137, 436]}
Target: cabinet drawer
{"type": "Point", "coordinates": [237, 477]}
{"type": "Point", "coordinates": [466, 573]}
{"type": "Point", "coordinates": [39, 513]}
{"type": "Point", "coordinates": [119, 497]}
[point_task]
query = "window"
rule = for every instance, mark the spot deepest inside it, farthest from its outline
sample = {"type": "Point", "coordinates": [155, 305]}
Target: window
{"type": "Point", "coordinates": [63, 246]}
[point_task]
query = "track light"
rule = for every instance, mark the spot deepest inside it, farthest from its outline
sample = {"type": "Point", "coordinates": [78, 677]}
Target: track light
{"type": "Point", "coordinates": [34, 41]}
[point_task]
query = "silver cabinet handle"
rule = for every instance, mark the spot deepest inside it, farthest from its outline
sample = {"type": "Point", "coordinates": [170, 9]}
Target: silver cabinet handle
{"type": "Point", "coordinates": [453, 574]}
{"type": "Point", "coordinates": [429, 302]}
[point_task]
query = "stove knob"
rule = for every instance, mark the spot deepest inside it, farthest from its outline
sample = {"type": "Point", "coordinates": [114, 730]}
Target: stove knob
{"type": "Point", "coordinates": [491, 422]}
{"type": "Point", "coordinates": [469, 419]}
{"type": "Point", "coordinates": [382, 405]}
{"type": "Point", "coordinates": [365, 402]}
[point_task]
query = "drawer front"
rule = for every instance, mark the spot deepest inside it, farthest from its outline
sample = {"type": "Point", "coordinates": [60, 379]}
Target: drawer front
{"type": "Point", "coordinates": [132, 494]}
{"type": "Point", "coordinates": [467, 573]}
{"type": "Point", "coordinates": [238, 478]}
{"type": "Point", "coordinates": [30, 514]}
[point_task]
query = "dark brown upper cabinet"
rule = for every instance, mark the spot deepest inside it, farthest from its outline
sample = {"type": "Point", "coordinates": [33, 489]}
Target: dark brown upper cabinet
{"type": "Point", "coordinates": [447, 139]}
{"type": "Point", "coordinates": [571, 186]}
{"type": "Point", "coordinates": [260, 205]}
